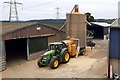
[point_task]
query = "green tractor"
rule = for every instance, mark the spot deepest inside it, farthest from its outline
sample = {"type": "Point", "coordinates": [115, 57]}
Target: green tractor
{"type": "Point", "coordinates": [57, 53]}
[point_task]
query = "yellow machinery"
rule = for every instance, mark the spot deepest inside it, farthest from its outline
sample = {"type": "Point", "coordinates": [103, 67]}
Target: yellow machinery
{"type": "Point", "coordinates": [73, 46]}
{"type": "Point", "coordinates": [75, 25]}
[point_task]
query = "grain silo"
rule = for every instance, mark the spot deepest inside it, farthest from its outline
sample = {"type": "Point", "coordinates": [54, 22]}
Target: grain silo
{"type": "Point", "coordinates": [76, 25]}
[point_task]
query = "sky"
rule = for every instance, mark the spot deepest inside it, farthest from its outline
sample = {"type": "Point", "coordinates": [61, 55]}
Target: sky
{"type": "Point", "coordinates": [46, 9]}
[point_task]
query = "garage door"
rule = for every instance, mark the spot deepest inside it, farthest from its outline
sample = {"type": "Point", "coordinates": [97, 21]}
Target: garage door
{"type": "Point", "coordinates": [38, 44]}
{"type": "Point", "coordinates": [2, 56]}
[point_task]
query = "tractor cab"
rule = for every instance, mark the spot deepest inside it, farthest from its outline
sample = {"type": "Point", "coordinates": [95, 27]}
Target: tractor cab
{"type": "Point", "coordinates": [57, 46]}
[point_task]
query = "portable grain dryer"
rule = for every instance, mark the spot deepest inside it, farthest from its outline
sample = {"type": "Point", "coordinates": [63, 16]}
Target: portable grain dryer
{"type": "Point", "coordinates": [76, 25]}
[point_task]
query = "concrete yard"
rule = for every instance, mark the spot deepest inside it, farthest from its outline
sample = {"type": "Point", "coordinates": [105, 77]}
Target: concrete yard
{"type": "Point", "coordinates": [92, 65]}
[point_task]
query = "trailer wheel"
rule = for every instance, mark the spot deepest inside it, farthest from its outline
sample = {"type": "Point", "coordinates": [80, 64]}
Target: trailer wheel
{"type": "Point", "coordinates": [39, 62]}
{"type": "Point", "coordinates": [54, 63]}
{"type": "Point", "coordinates": [66, 57]}
{"type": "Point", "coordinates": [82, 52]}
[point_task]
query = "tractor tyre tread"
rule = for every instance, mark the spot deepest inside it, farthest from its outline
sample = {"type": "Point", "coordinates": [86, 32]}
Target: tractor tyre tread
{"type": "Point", "coordinates": [39, 62]}
{"type": "Point", "coordinates": [63, 56]}
{"type": "Point", "coordinates": [52, 63]}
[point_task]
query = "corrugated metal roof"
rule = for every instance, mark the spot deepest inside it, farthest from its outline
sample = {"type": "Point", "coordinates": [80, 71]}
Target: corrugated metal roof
{"type": "Point", "coordinates": [8, 27]}
{"type": "Point", "coordinates": [116, 23]}
{"type": "Point", "coordinates": [101, 24]}
{"type": "Point", "coordinates": [57, 26]}
{"type": "Point", "coordinates": [55, 23]}
{"type": "Point", "coordinates": [11, 26]}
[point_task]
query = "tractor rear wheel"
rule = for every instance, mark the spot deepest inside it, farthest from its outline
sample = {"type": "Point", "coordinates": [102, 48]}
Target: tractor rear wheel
{"type": "Point", "coordinates": [66, 57]}
{"type": "Point", "coordinates": [39, 62]}
{"type": "Point", "coordinates": [54, 63]}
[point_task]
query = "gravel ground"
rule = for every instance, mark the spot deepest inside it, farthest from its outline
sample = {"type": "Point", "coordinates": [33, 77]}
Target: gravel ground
{"type": "Point", "coordinates": [92, 65]}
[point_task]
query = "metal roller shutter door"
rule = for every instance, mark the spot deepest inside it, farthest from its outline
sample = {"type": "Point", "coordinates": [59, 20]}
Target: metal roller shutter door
{"type": "Point", "coordinates": [2, 57]}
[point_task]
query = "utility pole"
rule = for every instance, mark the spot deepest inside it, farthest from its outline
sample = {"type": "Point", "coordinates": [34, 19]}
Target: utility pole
{"type": "Point", "coordinates": [57, 13]}
{"type": "Point", "coordinates": [13, 14]}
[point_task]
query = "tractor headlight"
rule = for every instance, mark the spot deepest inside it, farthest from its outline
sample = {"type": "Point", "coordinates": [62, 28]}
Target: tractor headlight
{"type": "Point", "coordinates": [45, 57]}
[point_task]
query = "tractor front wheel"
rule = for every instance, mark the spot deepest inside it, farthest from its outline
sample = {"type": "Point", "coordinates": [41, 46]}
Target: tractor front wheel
{"type": "Point", "coordinates": [66, 57]}
{"type": "Point", "coordinates": [54, 63]}
{"type": "Point", "coordinates": [39, 62]}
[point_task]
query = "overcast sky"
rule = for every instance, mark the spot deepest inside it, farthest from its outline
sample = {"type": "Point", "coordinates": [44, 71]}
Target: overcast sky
{"type": "Point", "coordinates": [46, 9]}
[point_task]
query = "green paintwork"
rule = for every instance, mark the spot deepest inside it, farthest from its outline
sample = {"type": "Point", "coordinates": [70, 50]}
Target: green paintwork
{"type": "Point", "coordinates": [47, 56]}
{"type": "Point", "coordinates": [61, 53]}
{"type": "Point", "coordinates": [48, 53]}
{"type": "Point", "coordinates": [64, 49]}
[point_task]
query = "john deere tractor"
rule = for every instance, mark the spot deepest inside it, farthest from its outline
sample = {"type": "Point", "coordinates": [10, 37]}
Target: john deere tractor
{"type": "Point", "coordinates": [57, 53]}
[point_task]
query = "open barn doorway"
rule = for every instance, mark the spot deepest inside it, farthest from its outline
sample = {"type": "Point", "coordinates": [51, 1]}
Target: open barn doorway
{"type": "Point", "coordinates": [16, 51]}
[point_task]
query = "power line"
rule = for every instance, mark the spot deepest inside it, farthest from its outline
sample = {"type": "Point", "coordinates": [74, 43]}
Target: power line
{"type": "Point", "coordinates": [13, 13]}
{"type": "Point", "coordinates": [43, 4]}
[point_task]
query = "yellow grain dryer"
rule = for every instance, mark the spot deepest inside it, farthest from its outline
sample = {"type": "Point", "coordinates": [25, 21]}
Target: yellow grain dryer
{"type": "Point", "coordinates": [73, 45]}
